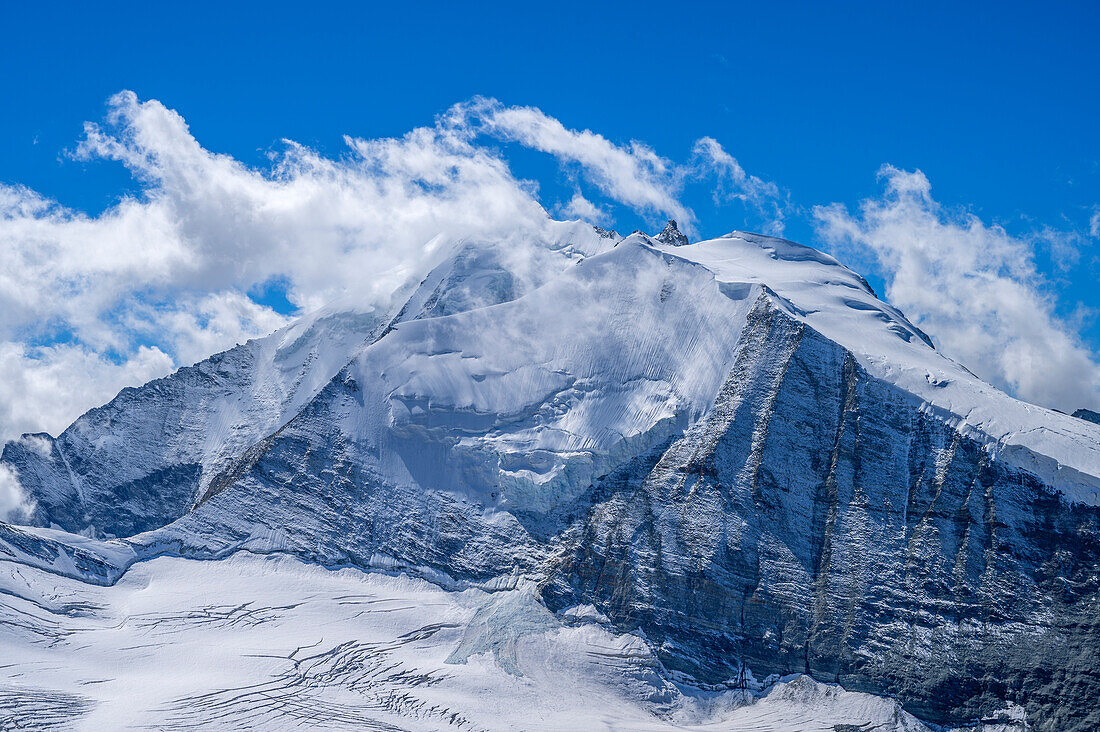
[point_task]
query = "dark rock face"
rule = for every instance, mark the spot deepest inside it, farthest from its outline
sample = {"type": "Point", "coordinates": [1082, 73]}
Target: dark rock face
{"type": "Point", "coordinates": [818, 522]}
{"type": "Point", "coordinates": [1088, 415]}
{"type": "Point", "coordinates": [672, 235]}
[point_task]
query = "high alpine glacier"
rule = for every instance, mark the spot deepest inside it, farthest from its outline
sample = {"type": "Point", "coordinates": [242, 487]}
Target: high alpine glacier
{"type": "Point", "coordinates": [580, 481]}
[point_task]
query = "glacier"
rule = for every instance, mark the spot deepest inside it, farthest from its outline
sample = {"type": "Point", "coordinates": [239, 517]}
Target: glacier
{"type": "Point", "coordinates": [716, 484]}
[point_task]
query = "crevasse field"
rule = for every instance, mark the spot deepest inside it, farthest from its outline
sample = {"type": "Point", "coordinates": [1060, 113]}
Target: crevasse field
{"type": "Point", "coordinates": [275, 643]}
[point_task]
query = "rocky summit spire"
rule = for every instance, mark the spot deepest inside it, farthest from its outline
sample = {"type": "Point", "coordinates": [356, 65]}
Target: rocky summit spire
{"type": "Point", "coordinates": [672, 235]}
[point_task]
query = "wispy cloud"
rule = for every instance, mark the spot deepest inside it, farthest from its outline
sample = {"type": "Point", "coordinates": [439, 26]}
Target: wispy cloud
{"type": "Point", "coordinates": [631, 174]}
{"type": "Point", "coordinates": [765, 197]}
{"type": "Point", "coordinates": [973, 286]}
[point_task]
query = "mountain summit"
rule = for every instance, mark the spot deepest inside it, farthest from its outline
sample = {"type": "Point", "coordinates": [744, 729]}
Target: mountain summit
{"type": "Point", "coordinates": [731, 451]}
{"type": "Point", "coordinates": [671, 235]}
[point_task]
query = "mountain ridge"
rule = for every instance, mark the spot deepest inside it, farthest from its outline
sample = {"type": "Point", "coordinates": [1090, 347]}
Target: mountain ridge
{"type": "Point", "coordinates": [731, 447]}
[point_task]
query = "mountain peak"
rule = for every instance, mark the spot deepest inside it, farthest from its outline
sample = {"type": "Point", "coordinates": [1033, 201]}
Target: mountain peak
{"type": "Point", "coordinates": [1088, 415]}
{"type": "Point", "coordinates": [672, 235]}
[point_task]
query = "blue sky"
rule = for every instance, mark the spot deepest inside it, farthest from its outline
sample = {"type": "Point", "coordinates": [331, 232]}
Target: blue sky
{"type": "Point", "coordinates": [996, 104]}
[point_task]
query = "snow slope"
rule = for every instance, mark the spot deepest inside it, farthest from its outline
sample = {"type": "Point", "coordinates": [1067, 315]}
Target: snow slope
{"type": "Point", "coordinates": [274, 643]}
{"type": "Point", "coordinates": [839, 304]}
{"type": "Point", "coordinates": [143, 459]}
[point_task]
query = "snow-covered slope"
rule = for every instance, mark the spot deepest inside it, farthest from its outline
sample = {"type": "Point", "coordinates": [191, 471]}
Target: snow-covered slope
{"type": "Point", "coordinates": [839, 304]}
{"type": "Point", "coordinates": [253, 643]}
{"type": "Point", "coordinates": [731, 452]}
{"type": "Point", "coordinates": [143, 459]}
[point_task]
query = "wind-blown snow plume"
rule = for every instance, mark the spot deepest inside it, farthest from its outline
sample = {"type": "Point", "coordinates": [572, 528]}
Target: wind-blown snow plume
{"type": "Point", "coordinates": [973, 286]}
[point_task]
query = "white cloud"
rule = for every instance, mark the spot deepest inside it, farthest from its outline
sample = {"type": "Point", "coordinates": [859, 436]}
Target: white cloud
{"type": "Point", "coordinates": [37, 443]}
{"type": "Point", "coordinates": [735, 184]}
{"type": "Point", "coordinates": [201, 326]}
{"type": "Point", "coordinates": [1094, 223]}
{"type": "Point", "coordinates": [158, 280]}
{"type": "Point", "coordinates": [579, 207]}
{"type": "Point", "coordinates": [14, 506]}
{"type": "Point", "coordinates": [633, 174]}
{"type": "Point", "coordinates": [89, 304]}
{"type": "Point", "coordinates": [973, 286]}
{"type": "Point", "coordinates": [45, 388]}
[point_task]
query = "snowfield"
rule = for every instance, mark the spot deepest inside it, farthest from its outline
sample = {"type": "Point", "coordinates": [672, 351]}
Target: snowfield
{"type": "Point", "coordinates": [254, 642]}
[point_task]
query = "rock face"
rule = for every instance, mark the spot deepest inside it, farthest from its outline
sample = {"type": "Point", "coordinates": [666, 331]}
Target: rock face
{"type": "Point", "coordinates": [817, 521]}
{"type": "Point", "coordinates": [672, 235]}
{"type": "Point", "coordinates": [733, 447]}
{"type": "Point", "coordinates": [1088, 414]}
{"type": "Point", "coordinates": [141, 460]}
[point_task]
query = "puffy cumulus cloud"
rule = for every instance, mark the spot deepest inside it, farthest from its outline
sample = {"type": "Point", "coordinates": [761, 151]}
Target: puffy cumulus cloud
{"type": "Point", "coordinates": [579, 207]}
{"type": "Point", "coordinates": [764, 197]}
{"type": "Point", "coordinates": [42, 389]}
{"type": "Point", "coordinates": [973, 286]}
{"type": "Point", "coordinates": [89, 304]}
{"type": "Point", "coordinates": [362, 223]}
{"type": "Point", "coordinates": [14, 505]}
{"type": "Point", "coordinates": [199, 326]}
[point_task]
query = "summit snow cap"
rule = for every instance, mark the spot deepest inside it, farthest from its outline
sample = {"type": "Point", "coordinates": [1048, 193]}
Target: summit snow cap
{"type": "Point", "coordinates": [672, 235]}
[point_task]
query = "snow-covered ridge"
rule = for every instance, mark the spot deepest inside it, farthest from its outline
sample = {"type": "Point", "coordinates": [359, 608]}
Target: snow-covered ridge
{"type": "Point", "coordinates": [835, 301]}
{"type": "Point", "coordinates": [535, 396]}
{"type": "Point", "coordinates": [162, 444]}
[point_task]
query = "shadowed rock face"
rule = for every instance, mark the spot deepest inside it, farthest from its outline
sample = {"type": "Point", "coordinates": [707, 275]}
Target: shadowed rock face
{"type": "Point", "coordinates": [815, 521]}
{"type": "Point", "coordinates": [1088, 415]}
{"type": "Point", "coordinates": [819, 522]}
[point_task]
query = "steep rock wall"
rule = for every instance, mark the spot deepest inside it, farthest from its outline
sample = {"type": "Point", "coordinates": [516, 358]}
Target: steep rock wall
{"type": "Point", "coordinates": [819, 521]}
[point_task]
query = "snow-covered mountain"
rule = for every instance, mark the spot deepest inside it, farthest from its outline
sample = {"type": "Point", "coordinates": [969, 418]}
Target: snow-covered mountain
{"type": "Point", "coordinates": [728, 462]}
{"type": "Point", "coordinates": [143, 459]}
